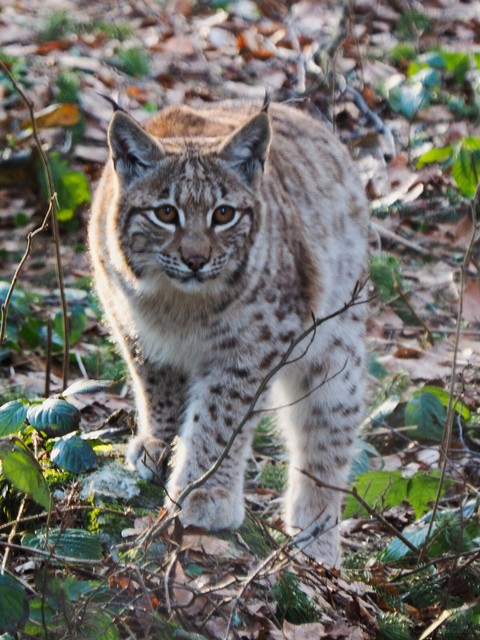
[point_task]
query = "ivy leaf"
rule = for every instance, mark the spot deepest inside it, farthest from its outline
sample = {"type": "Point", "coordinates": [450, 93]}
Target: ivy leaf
{"type": "Point", "coordinates": [23, 471]}
{"type": "Point", "coordinates": [426, 413]}
{"type": "Point", "coordinates": [70, 543]}
{"type": "Point", "coordinates": [73, 454]}
{"type": "Point", "coordinates": [54, 416]}
{"type": "Point", "coordinates": [13, 604]}
{"type": "Point", "coordinates": [12, 417]}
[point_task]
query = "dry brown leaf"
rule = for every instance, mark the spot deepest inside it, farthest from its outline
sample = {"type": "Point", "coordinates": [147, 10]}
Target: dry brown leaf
{"type": "Point", "coordinates": [312, 631]}
{"type": "Point", "coordinates": [209, 544]}
{"type": "Point", "coordinates": [471, 302]}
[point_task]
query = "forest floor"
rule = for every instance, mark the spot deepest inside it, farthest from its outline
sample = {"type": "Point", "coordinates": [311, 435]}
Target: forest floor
{"type": "Point", "coordinates": [399, 82]}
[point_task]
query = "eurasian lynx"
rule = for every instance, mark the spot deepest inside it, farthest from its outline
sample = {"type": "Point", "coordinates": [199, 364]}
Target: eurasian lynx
{"type": "Point", "coordinates": [216, 235]}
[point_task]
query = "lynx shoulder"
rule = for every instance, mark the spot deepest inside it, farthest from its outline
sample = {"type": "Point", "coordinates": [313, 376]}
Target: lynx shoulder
{"type": "Point", "coordinates": [216, 235]}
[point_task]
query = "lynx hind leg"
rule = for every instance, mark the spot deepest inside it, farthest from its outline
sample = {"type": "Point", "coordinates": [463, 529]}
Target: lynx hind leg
{"type": "Point", "coordinates": [320, 432]}
{"type": "Point", "coordinates": [160, 399]}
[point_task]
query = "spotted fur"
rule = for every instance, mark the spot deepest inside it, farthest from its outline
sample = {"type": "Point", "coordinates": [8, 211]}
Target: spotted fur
{"type": "Point", "coordinates": [203, 310]}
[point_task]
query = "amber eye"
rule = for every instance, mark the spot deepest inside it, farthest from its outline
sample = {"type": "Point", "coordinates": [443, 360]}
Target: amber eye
{"type": "Point", "coordinates": [223, 214]}
{"type": "Point", "coordinates": [167, 214]}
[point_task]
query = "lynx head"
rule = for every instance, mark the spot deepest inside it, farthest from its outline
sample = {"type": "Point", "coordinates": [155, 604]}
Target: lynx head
{"type": "Point", "coordinates": [189, 208]}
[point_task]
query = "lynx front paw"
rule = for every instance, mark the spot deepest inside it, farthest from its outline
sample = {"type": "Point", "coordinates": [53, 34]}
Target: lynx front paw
{"type": "Point", "coordinates": [213, 509]}
{"type": "Point", "coordinates": [149, 456]}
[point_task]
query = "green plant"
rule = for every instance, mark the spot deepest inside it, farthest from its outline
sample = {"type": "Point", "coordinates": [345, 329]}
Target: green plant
{"type": "Point", "coordinates": [394, 626]}
{"type": "Point", "coordinates": [71, 185]}
{"type": "Point", "coordinates": [462, 158]}
{"type": "Point", "coordinates": [411, 24]}
{"type": "Point", "coordinates": [68, 87]}
{"type": "Point", "coordinates": [117, 30]}
{"type": "Point", "coordinates": [58, 26]}
{"type": "Point", "coordinates": [293, 604]}
{"type": "Point", "coordinates": [133, 61]}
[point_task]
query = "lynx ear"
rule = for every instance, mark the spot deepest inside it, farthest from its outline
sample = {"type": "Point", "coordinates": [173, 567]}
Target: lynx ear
{"type": "Point", "coordinates": [246, 149]}
{"type": "Point", "coordinates": [133, 150]}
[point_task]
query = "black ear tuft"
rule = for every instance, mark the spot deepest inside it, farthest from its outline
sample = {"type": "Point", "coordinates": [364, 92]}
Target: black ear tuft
{"type": "Point", "coordinates": [132, 149]}
{"type": "Point", "coordinates": [246, 149]}
{"type": "Point", "coordinates": [109, 99]}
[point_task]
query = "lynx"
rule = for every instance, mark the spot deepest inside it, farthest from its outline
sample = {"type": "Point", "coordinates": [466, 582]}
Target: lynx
{"type": "Point", "coordinates": [216, 235]}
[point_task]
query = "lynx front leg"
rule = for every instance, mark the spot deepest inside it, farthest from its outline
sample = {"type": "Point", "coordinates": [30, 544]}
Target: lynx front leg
{"type": "Point", "coordinates": [320, 432]}
{"type": "Point", "coordinates": [217, 405]}
{"type": "Point", "coordinates": [159, 397]}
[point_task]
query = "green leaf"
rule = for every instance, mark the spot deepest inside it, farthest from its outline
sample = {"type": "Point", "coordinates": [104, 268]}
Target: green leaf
{"type": "Point", "coordinates": [70, 543]}
{"type": "Point", "coordinates": [23, 471]}
{"type": "Point", "coordinates": [437, 154]}
{"type": "Point", "coordinates": [408, 99]}
{"type": "Point", "coordinates": [55, 416]}
{"type": "Point", "coordinates": [422, 490]}
{"type": "Point", "coordinates": [379, 489]}
{"type": "Point", "coordinates": [397, 550]}
{"type": "Point", "coordinates": [29, 332]}
{"type": "Point", "coordinates": [71, 186]}
{"type": "Point", "coordinates": [78, 325]}
{"type": "Point", "coordinates": [13, 604]}
{"type": "Point", "coordinates": [426, 413]}
{"type": "Point", "coordinates": [87, 386]}
{"type": "Point", "coordinates": [385, 273]}
{"type": "Point", "coordinates": [444, 396]}
{"type": "Point", "coordinates": [99, 624]}
{"type": "Point", "coordinates": [73, 454]}
{"type": "Point", "coordinates": [361, 458]}
{"type": "Point", "coordinates": [12, 417]}
{"type": "Point", "coordinates": [466, 171]}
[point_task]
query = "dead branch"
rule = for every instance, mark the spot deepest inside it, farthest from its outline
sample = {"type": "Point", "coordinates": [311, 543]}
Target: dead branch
{"type": "Point", "coordinates": [448, 431]}
{"type": "Point", "coordinates": [370, 510]}
{"type": "Point", "coordinates": [51, 214]}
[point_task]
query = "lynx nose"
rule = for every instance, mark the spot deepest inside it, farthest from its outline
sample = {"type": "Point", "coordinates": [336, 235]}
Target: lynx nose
{"type": "Point", "coordinates": [195, 263]}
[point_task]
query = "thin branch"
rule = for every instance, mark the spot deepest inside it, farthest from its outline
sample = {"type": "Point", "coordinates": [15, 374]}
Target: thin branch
{"type": "Point", "coordinates": [448, 431]}
{"type": "Point", "coordinates": [52, 213]}
{"type": "Point", "coordinates": [370, 510]}
{"type": "Point", "coordinates": [6, 303]}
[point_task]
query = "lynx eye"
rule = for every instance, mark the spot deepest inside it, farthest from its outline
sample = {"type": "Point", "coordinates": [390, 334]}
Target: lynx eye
{"type": "Point", "coordinates": [167, 214]}
{"type": "Point", "coordinates": [223, 214]}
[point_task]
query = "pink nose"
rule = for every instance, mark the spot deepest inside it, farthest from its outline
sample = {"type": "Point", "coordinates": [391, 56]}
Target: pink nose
{"type": "Point", "coordinates": [195, 263]}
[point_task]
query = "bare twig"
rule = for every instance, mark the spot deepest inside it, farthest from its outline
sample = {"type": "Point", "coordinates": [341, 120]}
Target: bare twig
{"type": "Point", "coordinates": [13, 532]}
{"type": "Point", "coordinates": [375, 119]}
{"type": "Point", "coordinates": [448, 431]}
{"type": "Point", "coordinates": [370, 510]}
{"type": "Point", "coordinates": [51, 214]}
